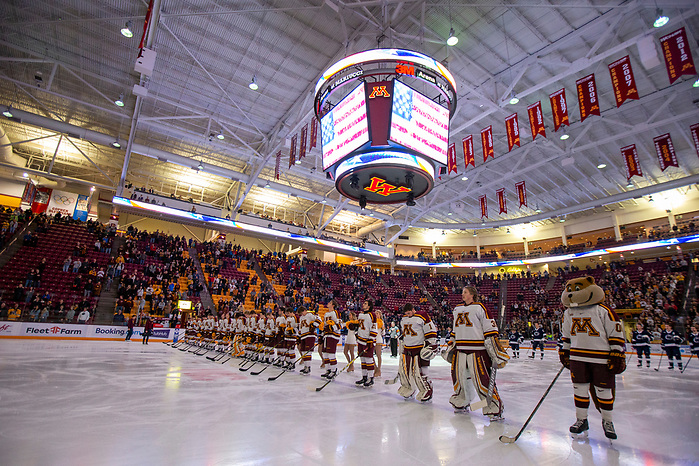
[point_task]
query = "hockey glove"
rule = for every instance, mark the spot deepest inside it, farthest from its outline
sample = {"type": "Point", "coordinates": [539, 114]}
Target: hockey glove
{"type": "Point", "coordinates": [448, 354]}
{"type": "Point", "coordinates": [616, 362]}
{"type": "Point", "coordinates": [564, 356]}
{"type": "Point", "coordinates": [497, 353]}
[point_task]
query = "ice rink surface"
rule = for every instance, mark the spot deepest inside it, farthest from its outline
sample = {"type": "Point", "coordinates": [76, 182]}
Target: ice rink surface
{"type": "Point", "coordinates": [118, 403]}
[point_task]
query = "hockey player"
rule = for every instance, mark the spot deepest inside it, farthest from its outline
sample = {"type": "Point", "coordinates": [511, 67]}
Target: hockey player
{"type": "Point", "coordinates": [640, 340]}
{"type": "Point", "coordinates": [515, 339]}
{"type": "Point", "coordinates": [270, 336]}
{"type": "Point", "coordinates": [331, 336]}
{"type": "Point", "coordinates": [307, 325]}
{"type": "Point", "coordinates": [693, 340]}
{"type": "Point", "coordinates": [290, 336]}
{"type": "Point", "coordinates": [419, 345]}
{"type": "Point", "coordinates": [593, 350]}
{"type": "Point", "coordinates": [475, 348]}
{"type": "Point", "coordinates": [280, 342]}
{"type": "Point", "coordinates": [671, 344]}
{"type": "Point", "coordinates": [366, 337]}
{"type": "Point", "coordinates": [537, 340]}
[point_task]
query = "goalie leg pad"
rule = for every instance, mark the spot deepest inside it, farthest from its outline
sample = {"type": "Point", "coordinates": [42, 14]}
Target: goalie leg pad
{"type": "Point", "coordinates": [406, 389]}
{"type": "Point", "coordinates": [479, 370]}
{"type": "Point", "coordinates": [461, 380]}
{"type": "Point", "coordinates": [423, 384]}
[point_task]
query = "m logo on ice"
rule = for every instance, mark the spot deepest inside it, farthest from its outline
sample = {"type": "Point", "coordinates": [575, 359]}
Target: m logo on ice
{"type": "Point", "coordinates": [583, 325]}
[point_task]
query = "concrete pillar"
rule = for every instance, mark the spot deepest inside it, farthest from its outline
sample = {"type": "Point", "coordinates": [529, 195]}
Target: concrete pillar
{"type": "Point", "coordinates": [434, 250]}
{"type": "Point", "coordinates": [671, 218]}
{"type": "Point", "coordinates": [526, 247]}
{"type": "Point", "coordinates": [617, 230]}
{"type": "Point", "coordinates": [478, 247]}
{"type": "Point", "coordinates": [564, 240]}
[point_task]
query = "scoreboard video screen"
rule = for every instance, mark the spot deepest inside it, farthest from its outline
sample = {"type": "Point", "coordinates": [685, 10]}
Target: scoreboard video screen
{"type": "Point", "coordinates": [419, 124]}
{"type": "Point", "coordinates": [345, 128]}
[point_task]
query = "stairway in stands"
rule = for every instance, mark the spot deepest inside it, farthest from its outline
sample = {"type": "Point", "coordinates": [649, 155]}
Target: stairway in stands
{"type": "Point", "coordinates": [104, 312]}
{"type": "Point", "coordinates": [437, 307]}
{"type": "Point", "coordinates": [15, 243]}
{"type": "Point", "coordinates": [205, 296]}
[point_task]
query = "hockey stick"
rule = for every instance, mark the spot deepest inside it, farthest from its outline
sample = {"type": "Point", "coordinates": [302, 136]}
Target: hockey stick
{"type": "Point", "coordinates": [393, 380]}
{"type": "Point", "coordinates": [505, 439]}
{"type": "Point", "coordinates": [685, 366]}
{"type": "Point", "coordinates": [660, 361]}
{"type": "Point", "coordinates": [294, 363]}
{"type": "Point", "coordinates": [480, 404]}
{"type": "Point", "coordinates": [317, 389]}
{"type": "Point", "coordinates": [268, 364]}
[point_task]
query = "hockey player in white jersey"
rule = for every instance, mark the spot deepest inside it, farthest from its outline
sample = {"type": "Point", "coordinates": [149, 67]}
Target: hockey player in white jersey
{"type": "Point", "coordinates": [593, 350]}
{"type": "Point", "coordinates": [308, 322]}
{"type": "Point", "coordinates": [418, 345]}
{"type": "Point", "coordinates": [474, 348]}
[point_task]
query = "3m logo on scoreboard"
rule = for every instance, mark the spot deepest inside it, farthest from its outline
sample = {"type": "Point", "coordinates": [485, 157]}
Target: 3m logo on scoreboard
{"type": "Point", "coordinates": [382, 188]}
{"type": "Point", "coordinates": [379, 91]}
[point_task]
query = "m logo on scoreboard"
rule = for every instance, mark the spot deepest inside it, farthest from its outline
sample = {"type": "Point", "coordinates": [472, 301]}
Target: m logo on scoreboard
{"type": "Point", "coordinates": [379, 91]}
{"type": "Point", "coordinates": [382, 188]}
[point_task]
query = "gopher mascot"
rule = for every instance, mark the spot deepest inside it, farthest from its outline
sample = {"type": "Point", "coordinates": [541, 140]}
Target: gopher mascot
{"type": "Point", "coordinates": [593, 350]}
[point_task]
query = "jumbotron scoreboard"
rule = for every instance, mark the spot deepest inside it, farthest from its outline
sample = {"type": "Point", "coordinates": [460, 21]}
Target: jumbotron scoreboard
{"type": "Point", "coordinates": [384, 119]}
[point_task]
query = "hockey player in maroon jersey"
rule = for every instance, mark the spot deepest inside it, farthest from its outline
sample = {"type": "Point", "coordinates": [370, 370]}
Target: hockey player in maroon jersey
{"type": "Point", "coordinates": [593, 350]}
{"type": "Point", "coordinates": [419, 345]}
{"type": "Point", "coordinates": [474, 348]}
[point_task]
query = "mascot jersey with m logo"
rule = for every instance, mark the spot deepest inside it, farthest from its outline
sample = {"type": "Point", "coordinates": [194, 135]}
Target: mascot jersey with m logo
{"type": "Point", "coordinates": [591, 332]}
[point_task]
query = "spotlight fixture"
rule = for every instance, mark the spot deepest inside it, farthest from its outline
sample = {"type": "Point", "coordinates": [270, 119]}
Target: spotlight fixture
{"type": "Point", "coordinates": [267, 185]}
{"type": "Point", "coordinates": [696, 83]}
{"type": "Point", "coordinates": [298, 162]}
{"type": "Point", "coordinates": [127, 30]}
{"type": "Point", "coordinates": [475, 234]}
{"type": "Point", "coordinates": [629, 185]}
{"type": "Point", "coordinates": [8, 112]}
{"type": "Point", "coordinates": [464, 178]}
{"type": "Point", "coordinates": [92, 189]}
{"type": "Point", "coordinates": [450, 213]}
{"type": "Point", "coordinates": [564, 136]}
{"type": "Point", "coordinates": [354, 182]}
{"type": "Point", "coordinates": [120, 101]}
{"type": "Point", "coordinates": [25, 175]}
{"type": "Point", "coordinates": [561, 220]}
{"type": "Point", "coordinates": [220, 136]}
{"type": "Point", "coordinates": [650, 198]}
{"type": "Point", "coordinates": [362, 202]}
{"type": "Point", "coordinates": [411, 200]}
{"type": "Point", "coordinates": [601, 165]}
{"type": "Point", "coordinates": [514, 100]}
{"type": "Point", "coordinates": [508, 231]}
{"type": "Point", "coordinates": [537, 210]}
{"type": "Point", "coordinates": [200, 166]}
{"type": "Point", "coordinates": [116, 144]}
{"type": "Point", "coordinates": [253, 84]}
{"type": "Point", "coordinates": [324, 201]}
{"type": "Point", "coordinates": [452, 40]}
{"type": "Point", "coordinates": [661, 20]}
{"type": "Point", "coordinates": [371, 214]}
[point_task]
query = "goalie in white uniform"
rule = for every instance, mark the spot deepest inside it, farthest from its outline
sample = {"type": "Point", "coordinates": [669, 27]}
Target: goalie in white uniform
{"type": "Point", "coordinates": [474, 347]}
{"type": "Point", "coordinates": [418, 346]}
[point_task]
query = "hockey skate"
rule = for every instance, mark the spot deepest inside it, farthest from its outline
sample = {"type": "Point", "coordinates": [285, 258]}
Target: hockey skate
{"type": "Point", "coordinates": [609, 431]}
{"type": "Point", "coordinates": [291, 367]}
{"type": "Point", "coordinates": [369, 382]}
{"type": "Point", "coordinates": [579, 427]}
{"type": "Point", "coordinates": [327, 374]}
{"type": "Point", "coordinates": [361, 381]}
{"type": "Point", "coordinates": [331, 374]}
{"type": "Point", "coordinates": [496, 417]}
{"type": "Point", "coordinates": [640, 364]}
{"type": "Point", "coordinates": [305, 371]}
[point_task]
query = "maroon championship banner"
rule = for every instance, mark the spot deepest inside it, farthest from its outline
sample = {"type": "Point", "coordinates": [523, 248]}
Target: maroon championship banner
{"type": "Point", "coordinates": [277, 164]}
{"type": "Point", "coordinates": [484, 206]}
{"type": "Point", "coordinates": [502, 202]}
{"type": "Point", "coordinates": [522, 193]}
{"type": "Point", "coordinates": [314, 133]}
{"type": "Point", "coordinates": [292, 152]}
{"type": "Point", "coordinates": [451, 158]}
{"type": "Point", "coordinates": [665, 151]}
{"type": "Point", "coordinates": [694, 129]}
{"type": "Point", "coordinates": [587, 96]}
{"type": "Point", "coordinates": [469, 155]}
{"type": "Point", "coordinates": [302, 149]}
{"type": "Point", "coordinates": [559, 107]}
{"type": "Point", "coordinates": [623, 81]}
{"type": "Point", "coordinates": [512, 127]}
{"type": "Point", "coordinates": [631, 159]}
{"type": "Point", "coordinates": [678, 56]}
{"type": "Point", "coordinates": [536, 120]}
{"type": "Point", "coordinates": [487, 143]}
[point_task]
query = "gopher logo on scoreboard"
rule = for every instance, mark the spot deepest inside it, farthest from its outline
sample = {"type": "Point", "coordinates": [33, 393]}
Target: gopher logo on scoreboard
{"type": "Point", "coordinates": [379, 91]}
{"type": "Point", "coordinates": [381, 187]}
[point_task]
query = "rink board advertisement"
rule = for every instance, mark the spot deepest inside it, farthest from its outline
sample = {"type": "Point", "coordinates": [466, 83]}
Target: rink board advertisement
{"type": "Point", "coordinates": [79, 332]}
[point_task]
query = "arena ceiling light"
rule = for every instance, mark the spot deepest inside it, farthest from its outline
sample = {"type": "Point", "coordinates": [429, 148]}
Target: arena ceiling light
{"type": "Point", "coordinates": [8, 112]}
{"type": "Point", "coordinates": [116, 144]}
{"type": "Point", "coordinates": [661, 19]}
{"type": "Point", "coordinates": [514, 100]}
{"type": "Point", "coordinates": [464, 178]}
{"type": "Point", "coordinates": [564, 136]}
{"type": "Point", "coordinates": [200, 166]}
{"type": "Point", "coordinates": [120, 101]}
{"type": "Point", "coordinates": [220, 136]}
{"type": "Point", "coordinates": [452, 40]}
{"type": "Point", "coordinates": [696, 83]}
{"type": "Point", "coordinates": [601, 165]}
{"type": "Point", "coordinates": [253, 84]}
{"type": "Point", "coordinates": [127, 30]}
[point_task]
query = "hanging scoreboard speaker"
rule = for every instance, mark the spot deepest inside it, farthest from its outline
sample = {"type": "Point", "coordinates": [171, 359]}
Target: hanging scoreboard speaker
{"type": "Point", "coordinates": [383, 139]}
